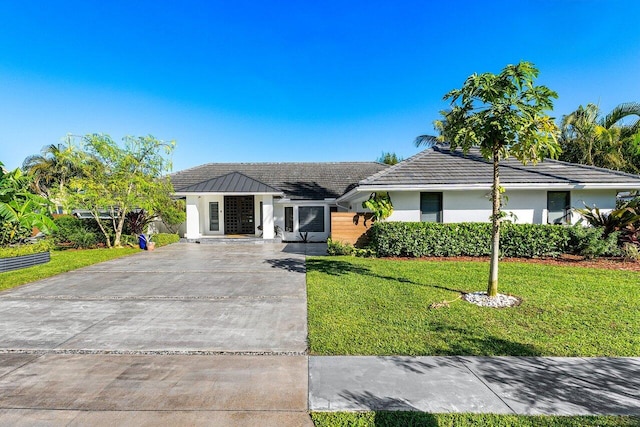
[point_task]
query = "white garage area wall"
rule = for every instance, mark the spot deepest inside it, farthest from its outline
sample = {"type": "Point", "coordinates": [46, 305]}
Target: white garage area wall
{"type": "Point", "coordinates": [605, 200]}
{"type": "Point", "coordinates": [465, 206]}
{"type": "Point", "coordinates": [293, 236]}
{"type": "Point", "coordinates": [406, 206]}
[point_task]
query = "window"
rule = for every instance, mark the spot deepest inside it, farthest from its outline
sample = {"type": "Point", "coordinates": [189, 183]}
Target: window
{"type": "Point", "coordinates": [431, 207]}
{"type": "Point", "coordinates": [558, 207]}
{"type": "Point", "coordinates": [311, 218]}
{"type": "Point", "coordinates": [288, 219]}
{"type": "Point", "coordinates": [214, 217]}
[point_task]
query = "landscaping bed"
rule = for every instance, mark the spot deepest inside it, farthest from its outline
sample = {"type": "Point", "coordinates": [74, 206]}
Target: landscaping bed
{"type": "Point", "coordinates": [365, 306]}
{"type": "Point", "coordinates": [565, 260]}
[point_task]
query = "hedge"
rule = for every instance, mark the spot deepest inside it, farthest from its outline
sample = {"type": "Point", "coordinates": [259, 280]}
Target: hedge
{"type": "Point", "coordinates": [25, 249]}
{"type": "Point", "coordinates": [417, 239]}
{"type": "Point", "coordinates": [163, 239]}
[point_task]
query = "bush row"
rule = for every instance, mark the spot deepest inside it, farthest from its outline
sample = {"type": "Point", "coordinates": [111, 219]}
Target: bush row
{"type": "Point", "coordinates": [417, 239]}
{"type": "Point", "coordinates": [163, 239]}
{"type": "Point", "coordinates": [25, 249]}
{"type": "Point", "coordinates": [85, 233]}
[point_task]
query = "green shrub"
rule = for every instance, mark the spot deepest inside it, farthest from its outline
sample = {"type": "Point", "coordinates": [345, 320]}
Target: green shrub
{"type": "Point", "coordinates": [630, 252]}
{"type": "Point", "coordinates": [163, 239]}
{"type": "Point", "coordinates": [417, 239]}
{"type": "Point", "coordinates": [75, 233]}
{"type": "Point", "coordinates": [592, 242]}
{"type": "Point", "coordinates": [338, 248]}
{"type": "Point", "coordinates": [25, 249]}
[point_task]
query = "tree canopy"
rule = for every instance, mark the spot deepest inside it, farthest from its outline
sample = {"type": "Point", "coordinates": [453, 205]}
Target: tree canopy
{"type": "Point", "coordinates": [503, 115]}
{"type": "Point", "coordinates": [118, 179]}
{"type": "Point", "coordinates": [604, 141]}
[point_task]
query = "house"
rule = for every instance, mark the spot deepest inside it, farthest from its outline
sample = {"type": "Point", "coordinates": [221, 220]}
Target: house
{"type": "Point", "coordinates": [264, 198]}
{"type": "Point", "coordinates": [437, 184]}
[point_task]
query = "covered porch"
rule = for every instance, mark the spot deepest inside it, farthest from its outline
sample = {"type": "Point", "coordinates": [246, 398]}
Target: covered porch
{"type": "Point", "coordinates": [230, 205]}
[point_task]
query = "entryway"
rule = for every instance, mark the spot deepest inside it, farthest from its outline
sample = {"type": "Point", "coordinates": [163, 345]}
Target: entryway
{"type": "Point", "coordinates": [239, 215]}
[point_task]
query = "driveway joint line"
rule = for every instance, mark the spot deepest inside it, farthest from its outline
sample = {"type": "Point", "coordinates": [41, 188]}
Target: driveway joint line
{"type": "Point", "coordinates": [487, 386]}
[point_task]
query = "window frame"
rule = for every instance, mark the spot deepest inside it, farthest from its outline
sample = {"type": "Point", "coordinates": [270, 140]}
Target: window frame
{"type": "Point", "coordinates": [217, 220]}
{"type": "Point", "coordinates": [439, 213]}
{"type": "Point", "coordinates": [566, 217]}
{"type": "Point", "coordinates": [288, 219]}
{"type": "Point", "coordinates": [321, 222]}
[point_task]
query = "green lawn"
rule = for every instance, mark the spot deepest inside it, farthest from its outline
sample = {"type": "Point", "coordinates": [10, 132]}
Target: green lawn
{"type": "Point", "coordinates": [380, 307]}
{"type": "Point", "coordinates": [61, 261]}
{"type": "Point", "coordinates": [416, 419]}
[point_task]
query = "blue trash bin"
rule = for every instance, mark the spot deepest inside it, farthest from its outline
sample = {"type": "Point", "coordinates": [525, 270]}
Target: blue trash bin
{"type": "Point", "coordinates": [142, 241]}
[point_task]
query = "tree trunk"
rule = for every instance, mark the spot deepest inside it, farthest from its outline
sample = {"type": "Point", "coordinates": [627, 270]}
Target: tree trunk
{"type": "Point", "coordinates": [96, 215]}
{"type": "Point", "coordinates": [119, 228]}
{"type": "Point", "coordinates": [492, 289]}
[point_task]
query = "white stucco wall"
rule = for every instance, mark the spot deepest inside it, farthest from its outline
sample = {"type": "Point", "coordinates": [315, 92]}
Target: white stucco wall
{"type": "Point", "coordinates": [295, 234]}
{"type": "Point", "coordinates": [528, 206]}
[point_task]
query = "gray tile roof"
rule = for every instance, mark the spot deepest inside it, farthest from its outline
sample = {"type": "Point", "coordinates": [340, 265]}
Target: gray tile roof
{"type": "Point", "coordinates": [307, 181]}
{"type": "Point", "coordinates": [440, 165]}
{"type": "Point", "coordinates": [234, 182]}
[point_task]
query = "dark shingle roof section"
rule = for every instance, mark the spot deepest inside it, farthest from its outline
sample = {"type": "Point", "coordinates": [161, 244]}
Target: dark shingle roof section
{"type": "Point", "coordinates": [233, 182]}
{"type": "Point", "coordinates": [440, 165]}
{"type": "Point", "coordinates": [306, 181]}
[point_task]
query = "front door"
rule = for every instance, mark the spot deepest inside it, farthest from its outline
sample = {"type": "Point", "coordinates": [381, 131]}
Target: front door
{"type": "Point", "coordinates": [239, 212]}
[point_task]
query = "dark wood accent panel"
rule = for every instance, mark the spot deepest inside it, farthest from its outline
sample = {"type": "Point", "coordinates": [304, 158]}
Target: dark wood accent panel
{"type": "Point", "coordinates": [239, 215]}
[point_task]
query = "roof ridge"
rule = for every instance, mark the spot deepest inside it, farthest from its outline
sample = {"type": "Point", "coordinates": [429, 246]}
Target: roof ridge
{"type": "Point", "coordinates": [397, 166]}
{"type": "Point", "coordinates": [590, 167]}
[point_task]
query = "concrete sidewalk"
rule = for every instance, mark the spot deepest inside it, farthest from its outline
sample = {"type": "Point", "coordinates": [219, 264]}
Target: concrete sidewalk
{"type": "Point", "coordinates": [501, 385]}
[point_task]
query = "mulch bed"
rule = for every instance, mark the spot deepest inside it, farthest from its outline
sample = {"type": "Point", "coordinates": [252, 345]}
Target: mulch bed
{"type": "Point", "coordinates": [563, 260]}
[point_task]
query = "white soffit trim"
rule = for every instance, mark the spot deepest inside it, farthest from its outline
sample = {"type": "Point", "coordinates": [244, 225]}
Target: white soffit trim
{"type": "Point", "coordinates": [465, 187]}
{"type": "Point", "coordinates": [284, 201]}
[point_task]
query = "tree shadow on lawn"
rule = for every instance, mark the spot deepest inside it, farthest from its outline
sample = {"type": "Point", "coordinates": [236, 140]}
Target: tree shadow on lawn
{"type": "Point", "coordinates": [340, 268]}
{"type": "Point", "coordinates": [468, 342]}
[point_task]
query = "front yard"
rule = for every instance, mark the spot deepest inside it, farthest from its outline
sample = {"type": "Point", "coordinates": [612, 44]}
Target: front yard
{"type": "Point", "coordinates": [61, 261]}
{"type": "Point", "coordinates": [381, 307]}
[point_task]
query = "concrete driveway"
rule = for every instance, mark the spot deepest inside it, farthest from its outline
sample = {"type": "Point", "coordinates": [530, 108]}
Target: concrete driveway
{"type": "Point", "coordinates": [197, 334]}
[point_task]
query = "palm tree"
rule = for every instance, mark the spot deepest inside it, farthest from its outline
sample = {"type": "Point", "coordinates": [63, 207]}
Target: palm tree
{"type": "Point", "coordinates": [51, 169]}
{"type": "Point", "coordinates": [606, 142]}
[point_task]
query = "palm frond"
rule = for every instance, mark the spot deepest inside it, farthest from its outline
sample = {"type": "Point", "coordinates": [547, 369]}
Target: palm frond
{"type": "Point", "coordinates": [426, 141]}
{"type": "Point", "coordinates": [620, 112]}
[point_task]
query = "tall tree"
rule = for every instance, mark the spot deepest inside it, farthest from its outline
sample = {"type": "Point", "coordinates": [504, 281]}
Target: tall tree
{"type": "Point", "coordinates": [119, 179]}
{"type": "Point", "coordinates": [504, 115]}
{"type": "Point", "coordinates": [52, 169]}
{"type": "Point", "coordinates": [607, 142]}
{"type": "Point", "coordinates": [389, 158]}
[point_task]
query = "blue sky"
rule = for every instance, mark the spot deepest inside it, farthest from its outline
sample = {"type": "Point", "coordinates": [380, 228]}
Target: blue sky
{"type": "Point", "coordinates": [290, 81]}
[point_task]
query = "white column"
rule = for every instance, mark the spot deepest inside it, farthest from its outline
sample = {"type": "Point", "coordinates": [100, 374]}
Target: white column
{"type": "Point", "coordinates": [193, 218]}
{"type": "Point", "coordinates": [267, 217]}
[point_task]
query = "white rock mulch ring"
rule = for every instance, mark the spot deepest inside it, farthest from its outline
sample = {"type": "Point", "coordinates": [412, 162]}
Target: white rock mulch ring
{"type": "Point", "coordinates": [499, 301]}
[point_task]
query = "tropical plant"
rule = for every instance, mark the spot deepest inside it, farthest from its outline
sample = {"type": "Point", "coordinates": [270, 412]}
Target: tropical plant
{"type": "Point", "coordinates": [380, 205]}
{"type": "Point", "coordinates": [625, 218]}
{"type": "Point", "coordinates": [52, 169]}
{"type": "Point", "coordinates": [504, 115]}
{"type": "Point", "coordinates": [120, 179]}
{"type": "Point", "coordinates": [20, 209]}
{"type": "Point", "coordinates": [607, 142]}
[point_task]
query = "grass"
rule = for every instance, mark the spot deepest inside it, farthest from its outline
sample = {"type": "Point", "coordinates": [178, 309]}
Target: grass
{"type": "Point", "coordinates": [61, 261]}
{"type": "Point", "coordinates": [363, 306]}
{"type": "Point", "coordinates": [416, 419]}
